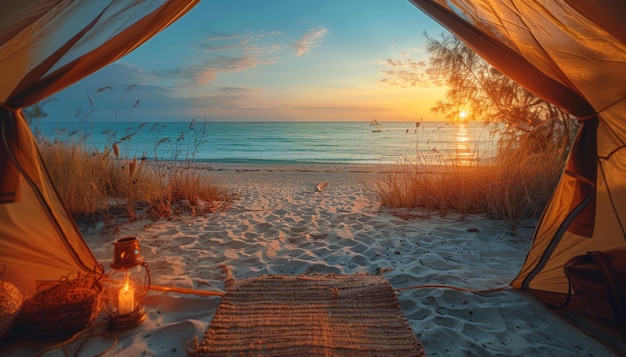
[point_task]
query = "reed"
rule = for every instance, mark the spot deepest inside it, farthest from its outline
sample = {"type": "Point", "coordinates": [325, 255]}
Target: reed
{"type": "Point", "coordinates": [517, 184]}
{"type": "Point", "coordinates": [102, 185]}
{"type": "Point", "coordinates": [434, 184]}
{"type": "Point", "coordinates": [523, 178]}
{"type": "Point", "coordinates": [81, 187]}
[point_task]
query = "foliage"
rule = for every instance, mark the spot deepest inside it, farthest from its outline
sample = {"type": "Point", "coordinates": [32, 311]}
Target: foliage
{"type": "Point", "coordinates": [519, 181]}
{"type": "Point", "coordinates": [102, 186]}
{"type": "Point", "coordinates": [109, 185]}
{"type": "Point", "coordinates": [514, 186]}
{"type": "Point", "coordinates": [484, 93]}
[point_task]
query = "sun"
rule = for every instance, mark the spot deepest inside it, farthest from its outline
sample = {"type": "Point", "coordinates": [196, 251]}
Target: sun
{"type": "Point", "coordinates": [463, 114]}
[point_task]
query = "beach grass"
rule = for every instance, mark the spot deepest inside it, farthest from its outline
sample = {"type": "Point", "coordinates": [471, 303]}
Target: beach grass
{"type": "Point", "coordinates": [102, 186]}
{"type": "Point", "coordinates": [106, 185]}
{"type": "Point", "coordinates": [514, 185]}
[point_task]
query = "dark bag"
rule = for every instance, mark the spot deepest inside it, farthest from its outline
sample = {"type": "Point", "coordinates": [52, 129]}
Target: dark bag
{"type": "Point", "coordinates": [598, 280]}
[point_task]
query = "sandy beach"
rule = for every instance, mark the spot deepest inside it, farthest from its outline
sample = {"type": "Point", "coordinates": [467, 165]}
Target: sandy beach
{"type": "Point", "coordinates": [279, 225]}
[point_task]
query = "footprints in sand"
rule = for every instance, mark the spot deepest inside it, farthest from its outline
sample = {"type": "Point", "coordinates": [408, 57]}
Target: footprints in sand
{"type": "Point", "coordinates": [283, 228]}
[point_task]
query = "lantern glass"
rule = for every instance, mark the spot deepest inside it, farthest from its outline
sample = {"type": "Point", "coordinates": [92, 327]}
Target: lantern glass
{"type": "Point", "coordinates": [126, 286]}
{"type": "Point", "coordinates": [125, 290]}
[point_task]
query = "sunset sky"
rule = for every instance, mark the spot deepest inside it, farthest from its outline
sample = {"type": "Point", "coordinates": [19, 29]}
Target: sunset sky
{"type": "Point", "coordinates": [278, 60]}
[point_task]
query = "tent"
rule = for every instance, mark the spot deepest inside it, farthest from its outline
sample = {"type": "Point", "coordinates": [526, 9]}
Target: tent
{"type": "Point", "coordinates": [45, 46]}
{"type": "Point", "coordinates": [569, 52]}
{"type": "Point", "coordinates": [573, 54]}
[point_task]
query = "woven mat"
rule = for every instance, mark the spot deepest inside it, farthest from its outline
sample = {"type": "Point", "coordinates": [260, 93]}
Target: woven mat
{"type": "Point", "coordinates": [328, 315]}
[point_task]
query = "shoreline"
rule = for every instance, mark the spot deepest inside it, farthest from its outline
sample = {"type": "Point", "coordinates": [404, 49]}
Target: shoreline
{"type": "Point", "coordinates": [298, 167]}
{"type": "Point", "coordinates": [370, 174]}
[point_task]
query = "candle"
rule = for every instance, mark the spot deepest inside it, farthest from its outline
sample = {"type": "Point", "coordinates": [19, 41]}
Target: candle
{"type": "Point", "coordinates": [126, 300]}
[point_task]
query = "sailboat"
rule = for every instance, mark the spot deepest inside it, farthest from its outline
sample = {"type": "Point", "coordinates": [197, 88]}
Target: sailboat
{"type": "Point", "coordinates": [375, 122]}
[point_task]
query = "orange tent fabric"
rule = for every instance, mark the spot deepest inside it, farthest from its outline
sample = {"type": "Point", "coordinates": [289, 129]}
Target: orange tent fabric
{"type": "Point", "coordinates": [45, 46]}
{"type": "Point", "coordinates": [573, 54]}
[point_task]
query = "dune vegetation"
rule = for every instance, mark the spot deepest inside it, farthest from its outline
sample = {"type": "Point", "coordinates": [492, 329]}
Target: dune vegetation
{"type": "Point", "coordinates": [104, 185]}
{"type": "Point", "coordinates": [515, 184]}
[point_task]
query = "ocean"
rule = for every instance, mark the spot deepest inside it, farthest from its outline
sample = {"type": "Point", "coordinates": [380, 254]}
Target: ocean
{"type": "Point", "coordinates": [281, 142]}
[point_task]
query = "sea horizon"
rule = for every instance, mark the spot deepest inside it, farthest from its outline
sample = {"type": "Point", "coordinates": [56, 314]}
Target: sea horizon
{"type": "Point", "coordinates": [278, 142]}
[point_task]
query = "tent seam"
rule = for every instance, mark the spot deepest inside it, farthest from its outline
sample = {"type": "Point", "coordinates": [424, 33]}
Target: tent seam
{"type": "Point", "coordinates": [611, 200]}
{"type": "Point", "coordinates": [43, 202]}
{"type": "Point", "coordinates": [545, 257]}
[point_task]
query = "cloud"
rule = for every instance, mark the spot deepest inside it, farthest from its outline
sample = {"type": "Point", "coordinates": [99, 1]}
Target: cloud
{"type": "Point", "coordinates": [121, 92]}
{"type": "Point", "coordinates": [309, 40]}
{"type": "Point", "coordinates": [225, 98]}
{"type": "Point", "coordinates": [206, 72]}
{"type": "Point", "coordinates": [217, 42]}
{"type": "Point", "coordinates": [217, 100]}
{"type": "Point", "coordinates": [410, 73]}
{"type": "Point", "coordinates": [221, 52]}
{"type": "Point", "coordinates": [228, 41]}
{"type": "Point", "coordinates": [226, 53]}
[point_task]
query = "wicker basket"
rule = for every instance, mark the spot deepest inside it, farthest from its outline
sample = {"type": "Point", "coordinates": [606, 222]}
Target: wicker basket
{"type": "Point", "coordinates": [62, 311]}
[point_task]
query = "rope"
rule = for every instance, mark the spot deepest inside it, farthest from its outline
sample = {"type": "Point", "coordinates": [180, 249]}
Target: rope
{"type": "Point", "coordinates": [186, 290]}
{"type": "Point", "coordinates": [438, 286]}
{"type": "Point", "coordinates": [86, 338]}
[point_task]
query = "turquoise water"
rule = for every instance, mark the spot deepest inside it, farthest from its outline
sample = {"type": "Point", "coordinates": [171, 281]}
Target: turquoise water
{"type": "Point", "coordinates": [279, 142]}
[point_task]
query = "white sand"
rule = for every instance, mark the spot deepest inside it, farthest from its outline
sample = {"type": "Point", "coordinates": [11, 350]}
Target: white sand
{"type": "Point", "coordinates": [279, 225]}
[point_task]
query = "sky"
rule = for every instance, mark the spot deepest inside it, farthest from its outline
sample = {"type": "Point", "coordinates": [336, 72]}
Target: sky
{"type": "Point", "coordinates": [278, 60]}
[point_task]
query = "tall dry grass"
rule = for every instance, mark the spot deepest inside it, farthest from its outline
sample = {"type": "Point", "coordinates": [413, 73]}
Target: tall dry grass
{"type": "Point", "coordinates": [109, 185]}
{"type": "Point", "coordinates": [99, 185]}
{"type": "Point", "coordinates": [517, 184]}
{"type": "Point", "coordinates": [77, 176]}
{"type": "Point", "coordinates": [435, 185]}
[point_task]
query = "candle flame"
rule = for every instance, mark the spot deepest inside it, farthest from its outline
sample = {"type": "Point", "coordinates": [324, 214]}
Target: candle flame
{"type": "Point", "coordinates": [126, 282]}
{"type": "Point", "coordinates": [126, 298]}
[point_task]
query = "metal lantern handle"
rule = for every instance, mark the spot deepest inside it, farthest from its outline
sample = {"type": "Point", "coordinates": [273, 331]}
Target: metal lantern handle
{"type": "Point", "coordinates": [147, 267]}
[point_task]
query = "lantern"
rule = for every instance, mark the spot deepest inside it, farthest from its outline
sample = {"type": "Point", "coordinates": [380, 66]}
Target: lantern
{"type": "Point", "coordinates": [127, 285]}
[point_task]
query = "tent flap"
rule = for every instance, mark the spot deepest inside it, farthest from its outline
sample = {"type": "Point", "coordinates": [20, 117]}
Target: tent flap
{"type": "Point", "coordinates": [571, 53]}
{"type": "Point", "coordinates": [46, 46]}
